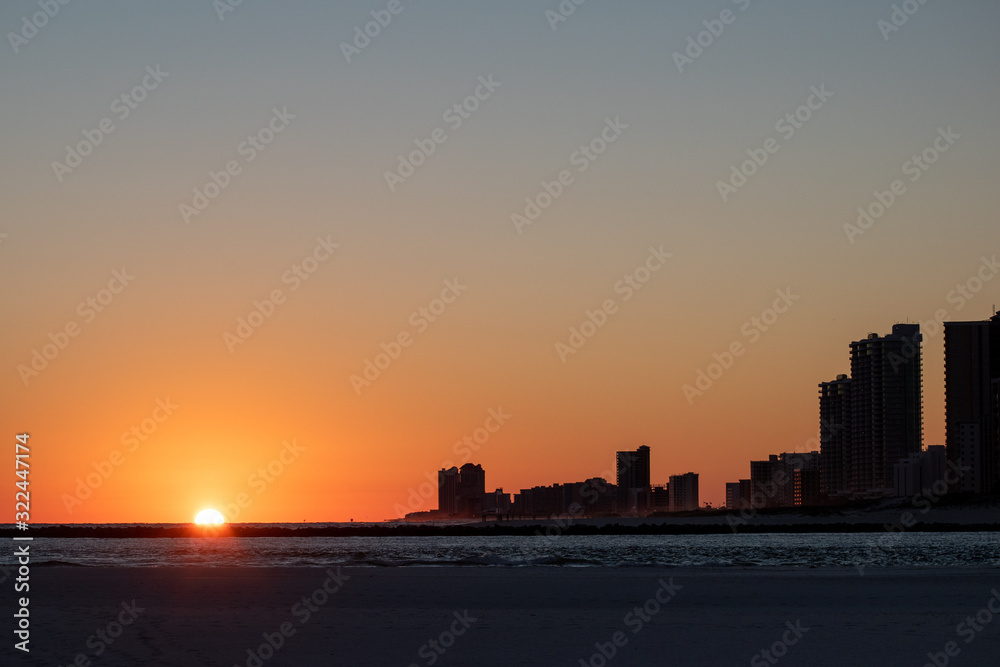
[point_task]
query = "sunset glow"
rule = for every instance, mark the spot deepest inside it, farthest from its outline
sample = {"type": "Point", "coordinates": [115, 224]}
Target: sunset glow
{"type": "Point", "coordinates": [209, 517]}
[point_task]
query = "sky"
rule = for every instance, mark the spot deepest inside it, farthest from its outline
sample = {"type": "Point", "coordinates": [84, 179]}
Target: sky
{"type": "Point", "coordinates": [256, 259]}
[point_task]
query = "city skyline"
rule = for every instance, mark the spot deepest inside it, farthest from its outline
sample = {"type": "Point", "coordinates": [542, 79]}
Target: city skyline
{"type": "Point", "coordinates": [870, 445]}
{"type": "Point", "coordinates": [462, 494]}
{"type": "Point", "coordinates": [849, 462]}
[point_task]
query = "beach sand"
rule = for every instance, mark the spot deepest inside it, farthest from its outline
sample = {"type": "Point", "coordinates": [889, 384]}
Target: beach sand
{"type": "Point", "coordinates": [506, 616]}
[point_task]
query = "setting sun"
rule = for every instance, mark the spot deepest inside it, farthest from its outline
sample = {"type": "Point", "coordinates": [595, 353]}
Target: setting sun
{"type": "Point", "coordinates": [209, 517]}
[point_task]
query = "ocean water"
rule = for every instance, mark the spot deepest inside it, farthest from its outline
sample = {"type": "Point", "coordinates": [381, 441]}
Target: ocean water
{"type": "Point", "coordinates": [952, 549]}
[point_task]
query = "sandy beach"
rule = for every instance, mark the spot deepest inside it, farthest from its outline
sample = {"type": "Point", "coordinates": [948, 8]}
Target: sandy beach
{"type": "Point", "coordinates": [510, 616]}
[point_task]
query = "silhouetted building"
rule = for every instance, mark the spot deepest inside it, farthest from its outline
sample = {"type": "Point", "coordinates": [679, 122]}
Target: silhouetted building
{"type": "Point", "coordinates": [835, 435]}
{"type": "Point", "coordinates": [772, 481]}
{"type": "Point", "coordinates": [918, 473]}
{"type": "Point", "coordinates": [972, 402]}
{"type": "Point", "coordinates": [632, 477]}
{"type": "Point", "coordinates": [746, 492]}
{"type": "Point", "coordinates": [448, 491]}
{"type": "Point", "coordinates": [461, 491]}
{"type": "Point", "coordinates": [497, 502]}
{"type": "Point", "coordinates": [683, 491]}
{"type": "Point", "coordinates": [661, 497]}
{"type": "Point", "coordinates": [733, 501]}
{"type": "Point", "coordinates": [806, 490]}
{"type": "Point", "coordinates": [886, 405]}
{"type": "Point", "coordinates": [471, 489]}
{"type": "Point", "coordinates": [598, 496]}
{"type": "Point", "coordinates": [768, 481]}
{"type": "Point", "coordinates": [589, 498]}
{"type": "Point", "coordinates": [539, 500]}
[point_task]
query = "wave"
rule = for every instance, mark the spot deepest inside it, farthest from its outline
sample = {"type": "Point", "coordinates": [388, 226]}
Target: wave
{"type": "Point", "coordinates": [728, 551]}
{"type": "Point", "coordinates": [56, 563]}
{"type": "Point", "coordinates": [473, 561]}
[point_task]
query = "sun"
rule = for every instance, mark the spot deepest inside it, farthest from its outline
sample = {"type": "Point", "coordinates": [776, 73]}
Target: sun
{"type": "Point", "coordinates": [210, 517]}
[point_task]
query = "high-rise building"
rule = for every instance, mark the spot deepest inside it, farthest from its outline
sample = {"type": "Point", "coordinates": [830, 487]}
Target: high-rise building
{"type": "Point", "coordinates": [972, 387]}
{"type": "Point", "coordinates": [632, 468]}
{"type": "Point", "coordinates": [448, 490]}
{"type": "Point", "coordinates": [835, 435]}
{"type": "Point", "coordinates": [632, 477]}
{"type": "Point", "coordinates": [738, 495]}
{"type": "Point", "coordinates": [766, 490]}
{"type": "Point", "coordinates": [886, 405]}
{"type": "Point", "coordinates": [733, 500]}
{"type": "Point", "coordinates": [683, 491]}
{"type": "Point", "coordinates": [746, 493]}
{"type": "Point", "coordinates": [461, 491]}
{"type": "Point", "coordinates": [471, 489]}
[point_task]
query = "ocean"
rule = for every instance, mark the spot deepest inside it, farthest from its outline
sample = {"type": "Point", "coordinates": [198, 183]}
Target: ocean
{"type": "Point", "coordinates": [883, 549]}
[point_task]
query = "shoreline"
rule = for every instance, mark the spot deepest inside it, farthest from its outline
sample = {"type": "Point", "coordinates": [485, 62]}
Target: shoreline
{"type": "Point", "coordinates": [577, 527]}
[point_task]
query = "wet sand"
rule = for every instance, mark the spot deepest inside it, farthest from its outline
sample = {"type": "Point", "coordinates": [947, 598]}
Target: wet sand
{"type": "Point", "coordinates": [507, 616]}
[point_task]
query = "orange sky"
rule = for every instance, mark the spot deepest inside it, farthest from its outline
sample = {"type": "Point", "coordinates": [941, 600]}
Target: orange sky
{"type": "Point", "coordinates": [308, 224]}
